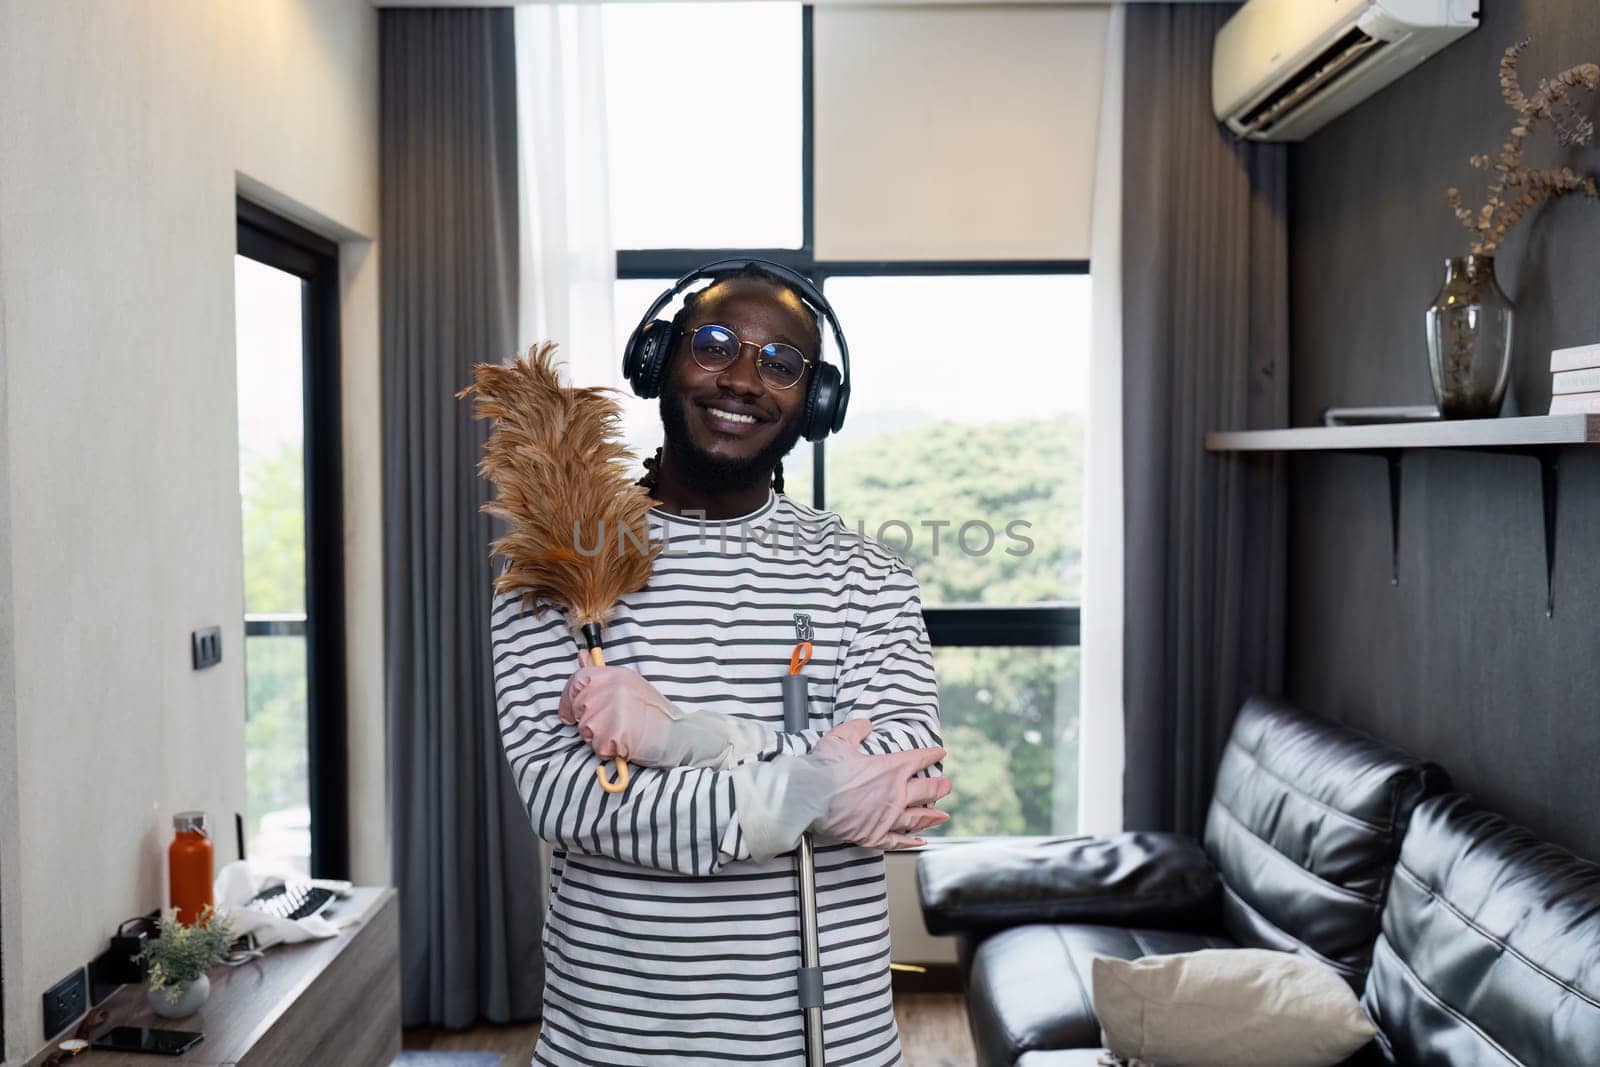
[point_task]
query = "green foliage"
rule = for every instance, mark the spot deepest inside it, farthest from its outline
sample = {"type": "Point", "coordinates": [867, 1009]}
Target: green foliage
{"type": "Point", "coordinates": [1021, 480]}
{"type": "Point", "coordinates": [274, 492]}
{"type": "Point", "coordinates": [276, 754]}
{"type": "Point", "coordinates": [985, 799]}
{"type": "Point", "coordinates": [180, 953]}
{"type": "Point", "coordinates": [1023, 704]}
{"type": "Point", "coordinates": [1009, 715]}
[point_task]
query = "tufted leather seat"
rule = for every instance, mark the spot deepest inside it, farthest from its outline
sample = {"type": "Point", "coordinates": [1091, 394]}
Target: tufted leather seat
{"type": "Point", "coordinates": [1300, 843]}
{"type": "Point", "coordinates": [1490, 951]}
{"type": "Point", "coordinates": [1305, 827]}
{"type": "Point", "coordinates": [1036, 991]}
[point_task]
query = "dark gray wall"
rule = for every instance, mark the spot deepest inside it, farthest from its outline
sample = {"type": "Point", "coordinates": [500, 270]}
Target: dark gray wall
{"type": "Point", "coordinates": [1458, 662]}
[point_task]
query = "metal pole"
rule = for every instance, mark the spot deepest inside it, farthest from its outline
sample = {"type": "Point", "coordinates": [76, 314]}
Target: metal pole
{"type": "Point", "coordinates": [796, 717]}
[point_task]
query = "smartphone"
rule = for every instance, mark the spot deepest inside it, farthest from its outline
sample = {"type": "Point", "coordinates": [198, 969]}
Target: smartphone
{"type": "Point", "coordinates": [145, 1039]}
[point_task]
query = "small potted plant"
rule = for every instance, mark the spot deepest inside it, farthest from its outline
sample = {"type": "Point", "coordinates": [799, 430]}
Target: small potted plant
{"type": "Point", "coordinates": [178, 960]}
{"type": "Point", "coordinates": [1469, 324]}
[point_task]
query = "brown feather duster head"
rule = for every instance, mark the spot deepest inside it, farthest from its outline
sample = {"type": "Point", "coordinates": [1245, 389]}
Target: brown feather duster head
{"type": "Point", "coordinates": [563, 484]}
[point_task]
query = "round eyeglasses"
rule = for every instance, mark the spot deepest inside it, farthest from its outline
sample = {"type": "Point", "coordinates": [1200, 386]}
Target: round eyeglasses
{"type": "Point", "coordinates": [715, 347]}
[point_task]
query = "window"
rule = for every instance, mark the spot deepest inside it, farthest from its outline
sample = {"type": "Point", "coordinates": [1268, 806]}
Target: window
{"type": "Point", "coordinates": [286, 308]}
{"type": "Point", "coordinates": [736, 181]}
{"type": "Point", "coordinates": [1010, 721]}
{"type": "Point", "coordinates": [975, 478]}
{"type": "Point", "coordinates": [963, 449]}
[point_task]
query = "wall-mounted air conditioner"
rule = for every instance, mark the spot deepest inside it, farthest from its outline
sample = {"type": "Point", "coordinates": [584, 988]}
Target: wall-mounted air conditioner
{"type": "Point", "coordinates": [1281, 69]}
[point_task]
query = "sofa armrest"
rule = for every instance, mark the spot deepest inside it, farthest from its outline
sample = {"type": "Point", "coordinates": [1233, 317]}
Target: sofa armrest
{"type": "Point", "coordinates": [1161, 881]}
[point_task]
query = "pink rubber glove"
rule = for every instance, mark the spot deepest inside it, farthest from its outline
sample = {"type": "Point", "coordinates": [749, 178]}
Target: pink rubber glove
{"type": "Point", "coordinates": [840, 793]}
{"type": "Point", "coordinates": [619, 713]}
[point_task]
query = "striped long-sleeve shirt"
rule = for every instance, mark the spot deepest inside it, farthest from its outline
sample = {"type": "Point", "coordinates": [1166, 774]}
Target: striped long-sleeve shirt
{"type": "Point", "coordinates": [664, 941]}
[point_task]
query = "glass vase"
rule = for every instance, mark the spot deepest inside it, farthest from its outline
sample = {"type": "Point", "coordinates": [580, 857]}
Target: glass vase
{"type": "Point", "coordinates": [1469, 340]}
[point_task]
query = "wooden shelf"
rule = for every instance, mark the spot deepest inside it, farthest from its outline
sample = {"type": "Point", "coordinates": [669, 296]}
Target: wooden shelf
{"type": "Point", "coordinates": [335, 1000]}
{"type": "Point", "coordinates": [1536, 431]}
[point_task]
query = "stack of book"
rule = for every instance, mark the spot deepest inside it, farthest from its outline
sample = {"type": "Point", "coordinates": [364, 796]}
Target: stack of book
{"type": "Point", "coordinates": [1575, 380]}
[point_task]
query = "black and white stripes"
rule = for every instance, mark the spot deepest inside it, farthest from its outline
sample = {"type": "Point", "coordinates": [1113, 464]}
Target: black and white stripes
{"type": "Point", "coordinates": [664, 942]}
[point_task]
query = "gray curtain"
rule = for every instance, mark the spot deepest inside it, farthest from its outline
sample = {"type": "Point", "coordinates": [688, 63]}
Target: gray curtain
{"type": "Point", "coordinates": [1205, 347]}
{"type": "Point", "coordinates": [465, 858]}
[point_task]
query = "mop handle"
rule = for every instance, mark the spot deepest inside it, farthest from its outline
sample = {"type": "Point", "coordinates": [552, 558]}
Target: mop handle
{"type": "Point", "coordinates": [796, 717]}
{"type": "Point", "coordinates": [597, 657]}
{"type": "Point", "coordinates": [796, 697]}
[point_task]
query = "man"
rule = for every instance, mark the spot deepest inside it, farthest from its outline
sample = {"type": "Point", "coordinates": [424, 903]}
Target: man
{"type": "Point", "coordinates": [672, 933]}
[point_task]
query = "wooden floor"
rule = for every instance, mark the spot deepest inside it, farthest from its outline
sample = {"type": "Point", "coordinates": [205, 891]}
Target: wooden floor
{"type": "Point", "coordinates": [933, 1033]}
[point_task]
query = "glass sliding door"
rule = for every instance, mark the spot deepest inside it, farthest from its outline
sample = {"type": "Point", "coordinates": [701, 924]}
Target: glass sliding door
{"type": "Point", "coordinates": [286, 307]}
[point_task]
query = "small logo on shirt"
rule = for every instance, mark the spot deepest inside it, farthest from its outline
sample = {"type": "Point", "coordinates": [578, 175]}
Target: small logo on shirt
{"type": "Point", "coordinates": [802, 626]}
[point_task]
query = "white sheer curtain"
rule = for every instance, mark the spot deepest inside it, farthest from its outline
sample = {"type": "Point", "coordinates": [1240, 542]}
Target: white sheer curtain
{"type": "Point", "coordinates": [1101, 674]}
{"type": "Point", "coordinates": [568, 263]}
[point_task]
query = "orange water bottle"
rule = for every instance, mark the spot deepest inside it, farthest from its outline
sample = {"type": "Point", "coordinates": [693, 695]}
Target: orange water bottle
{"type": "Point", "coordinates": [189, 865]}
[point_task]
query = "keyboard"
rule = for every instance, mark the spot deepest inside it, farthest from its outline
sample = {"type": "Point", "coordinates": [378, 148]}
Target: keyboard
{"type": "Point", "coordinates": [291, 900]}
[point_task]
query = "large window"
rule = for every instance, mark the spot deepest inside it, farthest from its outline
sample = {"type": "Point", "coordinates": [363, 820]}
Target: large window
{"type": "Point", "coordinates": [286, 315]}
{"type": "Point", "coordinates": [963, 449]}
{"type": "Point", "coordinates": [704, 132]}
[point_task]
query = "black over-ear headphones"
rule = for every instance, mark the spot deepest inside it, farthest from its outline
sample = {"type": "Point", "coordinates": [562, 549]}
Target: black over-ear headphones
{"type": "Point", "coordinates": [644, 360]}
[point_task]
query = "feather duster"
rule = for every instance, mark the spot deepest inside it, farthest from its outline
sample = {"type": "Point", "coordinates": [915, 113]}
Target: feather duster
{"type": "Point", "coordinates": [577, 533]}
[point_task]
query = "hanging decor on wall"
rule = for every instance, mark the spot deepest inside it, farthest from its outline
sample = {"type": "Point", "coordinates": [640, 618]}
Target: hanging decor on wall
{"type": "Point", "coordinates": [1470, 321]}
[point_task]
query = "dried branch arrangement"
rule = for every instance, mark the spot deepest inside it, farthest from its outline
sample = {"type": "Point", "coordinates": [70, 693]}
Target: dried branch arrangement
{"type": "Point", "coordinates": [1515, 189]}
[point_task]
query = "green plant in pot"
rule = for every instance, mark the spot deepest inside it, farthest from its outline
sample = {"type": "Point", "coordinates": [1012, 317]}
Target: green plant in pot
{"type": "Point", "coordinates": [1470, 321]}
{"type": "Point", "coordinates": [179, 958]}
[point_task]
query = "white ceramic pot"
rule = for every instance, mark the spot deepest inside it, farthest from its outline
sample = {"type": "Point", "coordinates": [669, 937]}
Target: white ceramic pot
{"type": "Point", "coordinates": [191, 1000]}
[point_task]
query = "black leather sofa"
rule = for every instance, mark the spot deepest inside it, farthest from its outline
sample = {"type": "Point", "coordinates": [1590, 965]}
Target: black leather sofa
{"type": "Point", "coordinates": [1483, 944]}
{"type": "Point", "coordinates": [1490, 949]}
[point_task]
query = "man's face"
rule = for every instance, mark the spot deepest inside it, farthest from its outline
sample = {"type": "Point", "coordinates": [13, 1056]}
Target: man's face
{"type": "Point", "coordinates": [715, 452]}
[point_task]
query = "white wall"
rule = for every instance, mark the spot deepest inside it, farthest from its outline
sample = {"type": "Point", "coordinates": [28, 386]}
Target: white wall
{"type": "Point", "coordinates": [125, 131]}
{"type": "Point", "coordinates": [909, 940]}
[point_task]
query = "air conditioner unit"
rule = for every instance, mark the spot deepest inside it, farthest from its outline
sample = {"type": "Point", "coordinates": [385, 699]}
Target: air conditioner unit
{"type": "Point", "coordinates": [1281, 69]}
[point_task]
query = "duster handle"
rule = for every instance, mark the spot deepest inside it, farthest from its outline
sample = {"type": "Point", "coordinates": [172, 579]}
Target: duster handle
{"type": "Point", "coordinates": [591, 637]}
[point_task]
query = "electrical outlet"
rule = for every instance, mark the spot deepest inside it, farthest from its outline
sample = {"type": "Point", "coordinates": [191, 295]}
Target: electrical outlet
{"type": "Point", "coordinates": [207, 646]}
{"type": "Point", "coordinates": [64, 1002]}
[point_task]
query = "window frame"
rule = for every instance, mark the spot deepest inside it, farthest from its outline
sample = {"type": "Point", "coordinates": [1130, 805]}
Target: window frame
{"type": "Point", "coordinates": [1046, 624]}
{"type": "Point", "coordinates": [268, 238]}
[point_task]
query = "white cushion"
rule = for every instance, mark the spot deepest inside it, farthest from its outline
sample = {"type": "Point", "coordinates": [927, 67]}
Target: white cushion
{"type": "Point", "coordinates": [1241, 1007]}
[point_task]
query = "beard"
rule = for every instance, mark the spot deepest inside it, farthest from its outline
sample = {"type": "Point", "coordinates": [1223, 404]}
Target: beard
{"type": "Point", "coordinates": [712, 473]}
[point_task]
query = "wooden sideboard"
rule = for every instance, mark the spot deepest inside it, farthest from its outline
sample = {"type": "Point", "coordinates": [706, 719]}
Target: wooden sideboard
{"type": "Point", "coordinates": [335, 1001]}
